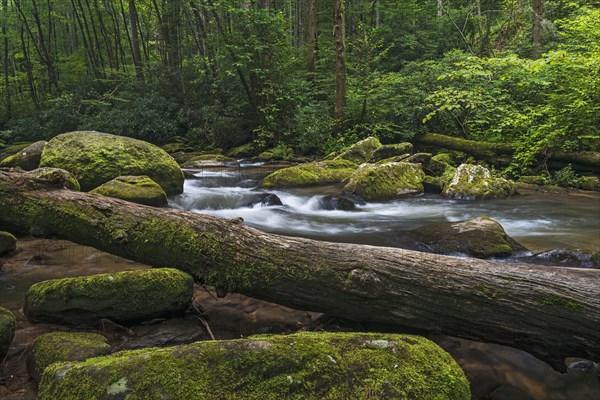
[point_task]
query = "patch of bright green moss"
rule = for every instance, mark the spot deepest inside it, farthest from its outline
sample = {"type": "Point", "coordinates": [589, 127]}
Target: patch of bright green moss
{"type": "Point", "coordinates": [561, 302]}
{"type": "Point", "coordinates": [361, 152]}
{"type": "Point", "coordinates": [8, 324]}
{"type": "Point", "coordinates": [492, 291]}
{"type": "Point", "coordinates": [317, 173]}
{"type": "Point", "coordinates": [137, 189]}
{"type": "Point", "coordinates": [382, 182]}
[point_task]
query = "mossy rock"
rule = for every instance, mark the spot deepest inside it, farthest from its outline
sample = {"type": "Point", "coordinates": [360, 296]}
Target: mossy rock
{"type": "Point", "coordinates": [539, 180]}
{"type": "Point", "coordinates": [300, 366]}
{"type": "Point", "coordinates": [472, 182]}
{"type": "Point", "coordinates": [419, 158]}
{"type": "Point", "coordinates": [480, 237]}
{"type": "Point", "coordinates": [13, 149]}
{"type": "Point", "coordinates": [64, 346]}
{"type": "Point", "coordinates": [55, 177]}
{"type": "Point", "coordinates": [589, 183]}
{"type": "Point", "coordinates": [360, 152]}
{"type": "Point", "coordinates": [95, 158]}
{"type": "Point", "coordinates": [8, 324]}
{"type": "Point", "coordinates": [8, 242]}
{"type": "Point", "coordinates": [210, 160]}
{"type": "Point", "coordinates": [391, 150]}
{"type": "Point", "coordinates": [243, 151]}
{"type": "Point", "coordinates": [121, 296]}
{"type": "Point", "coordinates": [308, 174]}
{"type": "Point", "coordinates": [433, 184]}
{"type": "Point", "coordinates": [382, 182]}
{"type": "Point", "coordinates": [399, 158]}
{"type": "Point", "coordinates": [137, 189]}
{"type": "Point", "coordinates": [443, 157]}
{"type": "Point", "coordinates": [27, 159]}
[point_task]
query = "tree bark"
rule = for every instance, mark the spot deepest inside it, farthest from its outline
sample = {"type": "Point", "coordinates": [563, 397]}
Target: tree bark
{"type": "Point", "coordinates": [135, 42]}
{"type": "Point", "coordinates": [311, 40]}
{"type": "Point", "coordinates": [339, 37]}
{"type": "Point", "coordinates": [538, 37]}
{"type": "Point", "coordinates": [550, 312]}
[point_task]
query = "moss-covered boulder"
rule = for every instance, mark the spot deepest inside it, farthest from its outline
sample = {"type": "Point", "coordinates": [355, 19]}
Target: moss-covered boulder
{"type": "Point", "coordinates": [137, 189]}
{"type": "Point", "coordinates": [121, 296]}
{"type": "Point", "coordinates": [391, 150]}
{"type": "Point", "coordinates": [243, 151]}
{"type": "Point", "coordinates": [27, 159]}
{"type": "Point", "coordinates": [360, 152]}
{"type": "Point", "coordinates": [300, 366]}
{"type": "Point", "coordinates": [8, 324]}
{"type": "Point", "coordinates": [589, 183]}
{"type": "Point", "coordinates": [95, 158]}
{"type": "Point", "coordinates": [64, 346]}
{"type": "Point", "coordinates": [308, 174]}
{"type": "Point", "coordinates": [7, 242]}
{"type": "Point", "coordinates": [419, 158]}
{"type": "Point", "coordinates": [480, 237]}
{"type": "Point", "coordinates": [55, 177]}
{"type": "Point", "coordinates": [209, 161]}
{"type": "Point", "coordinates": [8, 151]}
{"type": "Point", "coordinates": [381, 182]}
{"type": "Point", "coordinates": [472, 182]}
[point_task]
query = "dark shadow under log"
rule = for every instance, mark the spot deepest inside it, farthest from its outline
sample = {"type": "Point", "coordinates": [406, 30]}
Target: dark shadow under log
{"type": "Point", "coordinates": [550, 312]}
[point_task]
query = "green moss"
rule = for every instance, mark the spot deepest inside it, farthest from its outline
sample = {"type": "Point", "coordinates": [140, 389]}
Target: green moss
{"type": "Point", "coordinates": [55, 177]}
{"type": "Point", "coordinates": [381, 182]}
{"type": "Point", "coordinates": [15, 148]}
{"type": "Point", "coordinates": [317, 173]}
{"type": "Point", "coordinates": [121, 296]}
{"type": "Point", "coordinates": [388, 151]}
{"type": "Point", "coordinates": [27, 158]}
{"type": "Point", "coordinates": [492, 292]}
{"type": "Point", "coordinates": [443, 157]}
{"type": "Point", "coordinates": [95, 158]}
{"type": "Point", "coordinates": [8, 324]}
{"type": "Point", "coordinates": [561, 302]}
{"type": "Point", "coordinates": [300, 366]}
{"type": "Point", "coordinates": [476, 182]}
{"type": "Point", "coordinates": [137, 189]}
{"type": "Point", "coordinates": [246, 150]}
{"type": "Point", "coordinates": [361, 152]}
{"type": "Point", "coordinates": [7, 242]}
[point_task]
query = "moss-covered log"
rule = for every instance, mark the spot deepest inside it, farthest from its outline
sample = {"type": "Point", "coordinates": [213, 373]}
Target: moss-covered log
{"type": "Point", "coordinates": [496, 152]}
{"type": "Point", "coordinates": [302, 366]}
{"type": "Point", "coordinates": [551, 312]}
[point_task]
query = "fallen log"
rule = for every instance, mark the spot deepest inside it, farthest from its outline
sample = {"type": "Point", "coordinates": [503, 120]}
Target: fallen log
{"type": "Point", "coordinates": [550, 312]}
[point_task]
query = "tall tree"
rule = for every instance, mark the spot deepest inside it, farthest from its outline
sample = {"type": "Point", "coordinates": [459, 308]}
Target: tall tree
{"type": "Point", "coordinates": [135, 42]}
{"type": "Point", "coordinates": [339, 37]}
{"type": "Point", "coordinates": [538, 37]}
{"type": "Point", "coordinates": [311, 40]}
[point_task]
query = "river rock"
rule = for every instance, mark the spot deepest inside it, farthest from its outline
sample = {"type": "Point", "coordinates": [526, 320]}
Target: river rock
{"type": "Point", "coordinates": [121, 297]}
{"type": "Point", "coordinates": [472, 182]}
{"type": "Point", "coordinates": [360, 152]}
{"type": "Point", "coordinates": [27, 159]}
{"type": "Point", "coordinates": [381, 182]}
{"type": "Point", "coordinates": [569, 258]}
{"type": "Point", "coordinates": [342, 203]}
{"type": "Point", "coordinates": [419, 158]}
{"type": "Point", "coordinates": [391, 150]}
{"type": "Point", "coordinates": [13, 149]}
{"type": "Point", "coordinates": [95, 158]}
{"type": "Point", "coordinates": [55, 177]}
{"type": "Point", "coordinates": [589, 183]}
{"type": "Point", "coordinates": [8, 242]}
{"type": "Point", "coordinates": [64, 346]}
{"type": "Point", "coordinates": [8, 324]}
{"type": "Point", "coordinates": [316, 173]}
{"type": "Point", "coordinates": [300, 366]}
{"type": "Point", "coordinates": [480, 237]}
{"type": "Point", "coordinates": [210, 161]}
{"type": "Point", "coordinates": [262, 199]}
{"type": "Point", "coordinates": [137, 189]}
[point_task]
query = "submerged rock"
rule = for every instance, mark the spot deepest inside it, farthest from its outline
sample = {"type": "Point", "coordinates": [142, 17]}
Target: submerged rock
{"type": "Point", "coordinates": [137, 189]}
{"type": "Point", "coordinates": [264, 199]}
{"type": "Point", "coordinates": [64, 346]}
{"type": "Point", "coordinates": [95, 158]}
{"type": "Point", "coordinates": [569, 258]}
{"type": "Point", "coordinates": [8, 324]}
{"type": "Point", "coordinates": [337, 203]}
{"type": "Point", "coordinates": [27, 159]}
{"type": "Point", "coordinates": [317, 173]}
{"type": "Point", "coordinates": [391, 150]}
{"type": "Point", "coordinates": [300, 366]}
{"type": "Point", "coordinates": [472, 182]}
{"type": "Point", "coordinates": [381, 182]}
{"type": "Point", "coordinates": [480, 237]}
{"type": "Point", "coordinates": [8, 242]}
{"type": "Point", "coordinates": [360, 152]}
{"type": "Point", "coordinates": [121, 296]}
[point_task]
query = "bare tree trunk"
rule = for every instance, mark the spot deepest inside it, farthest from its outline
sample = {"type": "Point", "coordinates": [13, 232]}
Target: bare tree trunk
{"type": "Point", "coordinates": [311, 40]}
{"type": "Point", "coordinates": [550, 312]}
{"type": "Point", "coordinates": [538, 37]}
{"type": "Point", "coordinates": [135, 42]}
{"type": "Point", "coordinates": [339, 37]}
{"type": "Point", "coordinates": [5, 63]}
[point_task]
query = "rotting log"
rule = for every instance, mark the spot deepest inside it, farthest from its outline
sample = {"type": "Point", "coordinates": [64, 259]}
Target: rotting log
{"type": "Point", "coordinates": [550, 312]}
{"type": "Point", "coordinates": [498, 153]}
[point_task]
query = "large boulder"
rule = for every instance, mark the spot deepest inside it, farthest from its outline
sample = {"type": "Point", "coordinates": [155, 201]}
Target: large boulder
{"type": "Point", "coordinates": [381, 182]}
{"type": "Point", "coordinates": [472, 182]}
{"type": "Point", "coordinates": [308, 174]}
{"type": "Point", "coordinates": [27, 159]}
{"type": "Point", "coordinates": [137, 189]}
{"type": "Point", "coordinates": [95, 158]}
{"type": "Point", "coordinates": [8, 324]}
{"type": "Point", "coordinates": [64, 346]}
{"type": "Point", "coordinates": [8, 242]}
{"type": "Point", "coordinates": [121, 296]}
{"type": "Point", "coordinates": [391, 150]}
{"type": "Point", "coordinates": [299, 366]}
{"type": "Point", "coordinates": [480, 237]}
{"type": "Point", "coordinates": [360, 152]}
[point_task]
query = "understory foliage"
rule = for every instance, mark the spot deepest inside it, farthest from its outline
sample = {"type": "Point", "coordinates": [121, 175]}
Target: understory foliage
{"type": "Point", "coordinates": [225, 72]}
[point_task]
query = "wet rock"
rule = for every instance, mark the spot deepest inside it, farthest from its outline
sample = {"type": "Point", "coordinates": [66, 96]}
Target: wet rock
{"type": "Point", "coordinates": [317, 173]}
{"type": "Point", "coordinates": [382, 182]}
{"type": "Point", "coordinates": [569, 258]}
{"type": "Point", "coordinates": [360, 152]}
{"type": "Point", "coordinates": [8, 242]}
{"type": "Point", "coordinates": [589, 183]}
{"type": "Point", "coordinates": [210, 161]}
{"type": "Point", "coordinates": [308, 366]}
{"type": "Point", "coordinates": [391, 150]}
{"type": "Point", "coordinates": [27, 159]}
{"type": "Point", "coordinates": [262, 199]}
{"type": "Point", "coordinates": [508, 392]}
{"type": "Point", "coordinates": [8, 324]}
{"type": "Point", "coordinates": [55, 177]}
{"type": "Point", "coordinates": [342, 203]}
{"type": "Point", "coordinates": [121, 297]}
{"type": "Point", "coordinates": [64, 346]}
{"type": "Point", "coordinates": [472, 182]}
{"type": "Point", "coordinates": [432, 184]}
{"type": "Point", "coordinates": [95, 158]}
{"type": "Point", "coordinates": [419, 158]}
{"type": "Point", "coordinates": [480, 237]}
{"type": "Point", "coordinates": [137, 189]}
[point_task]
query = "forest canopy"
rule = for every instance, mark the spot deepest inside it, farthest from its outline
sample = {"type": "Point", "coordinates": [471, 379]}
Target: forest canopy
{"type": "Point", "coordinates": [311, 75]}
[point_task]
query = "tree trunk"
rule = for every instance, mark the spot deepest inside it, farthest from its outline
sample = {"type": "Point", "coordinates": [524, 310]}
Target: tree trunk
{"type": "Point", "coordinates": [538, 37]}
{"type": "Point", "coordinates": [5, 63]}
{"type": "Point", "coordinates": [311, 40]}
{"type": "Point", "coordinates": [550, 312]}
{"type": "Point", "coordinates": [339, 37]}
{"type": "Point", "coordinates": [135, 42]}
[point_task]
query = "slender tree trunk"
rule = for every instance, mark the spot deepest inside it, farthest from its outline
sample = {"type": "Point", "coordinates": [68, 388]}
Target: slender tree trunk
{"type": "Point", "coordinates": [29, 71]}
{"type": "Point", "coordinates": [550, 312]}
{"type": "Point", "coordinates": [538, 37]}
{"type": "Point", "coordinates": [339, 35]}
{"type": "Point", "coordinates": [311, 39]}
{"type": "Point", "coordinates": [5, 63]}
{"type": "Point", "coordinates": [440, 8]}
{"type": "Point", "coordinates": [135, 43]}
